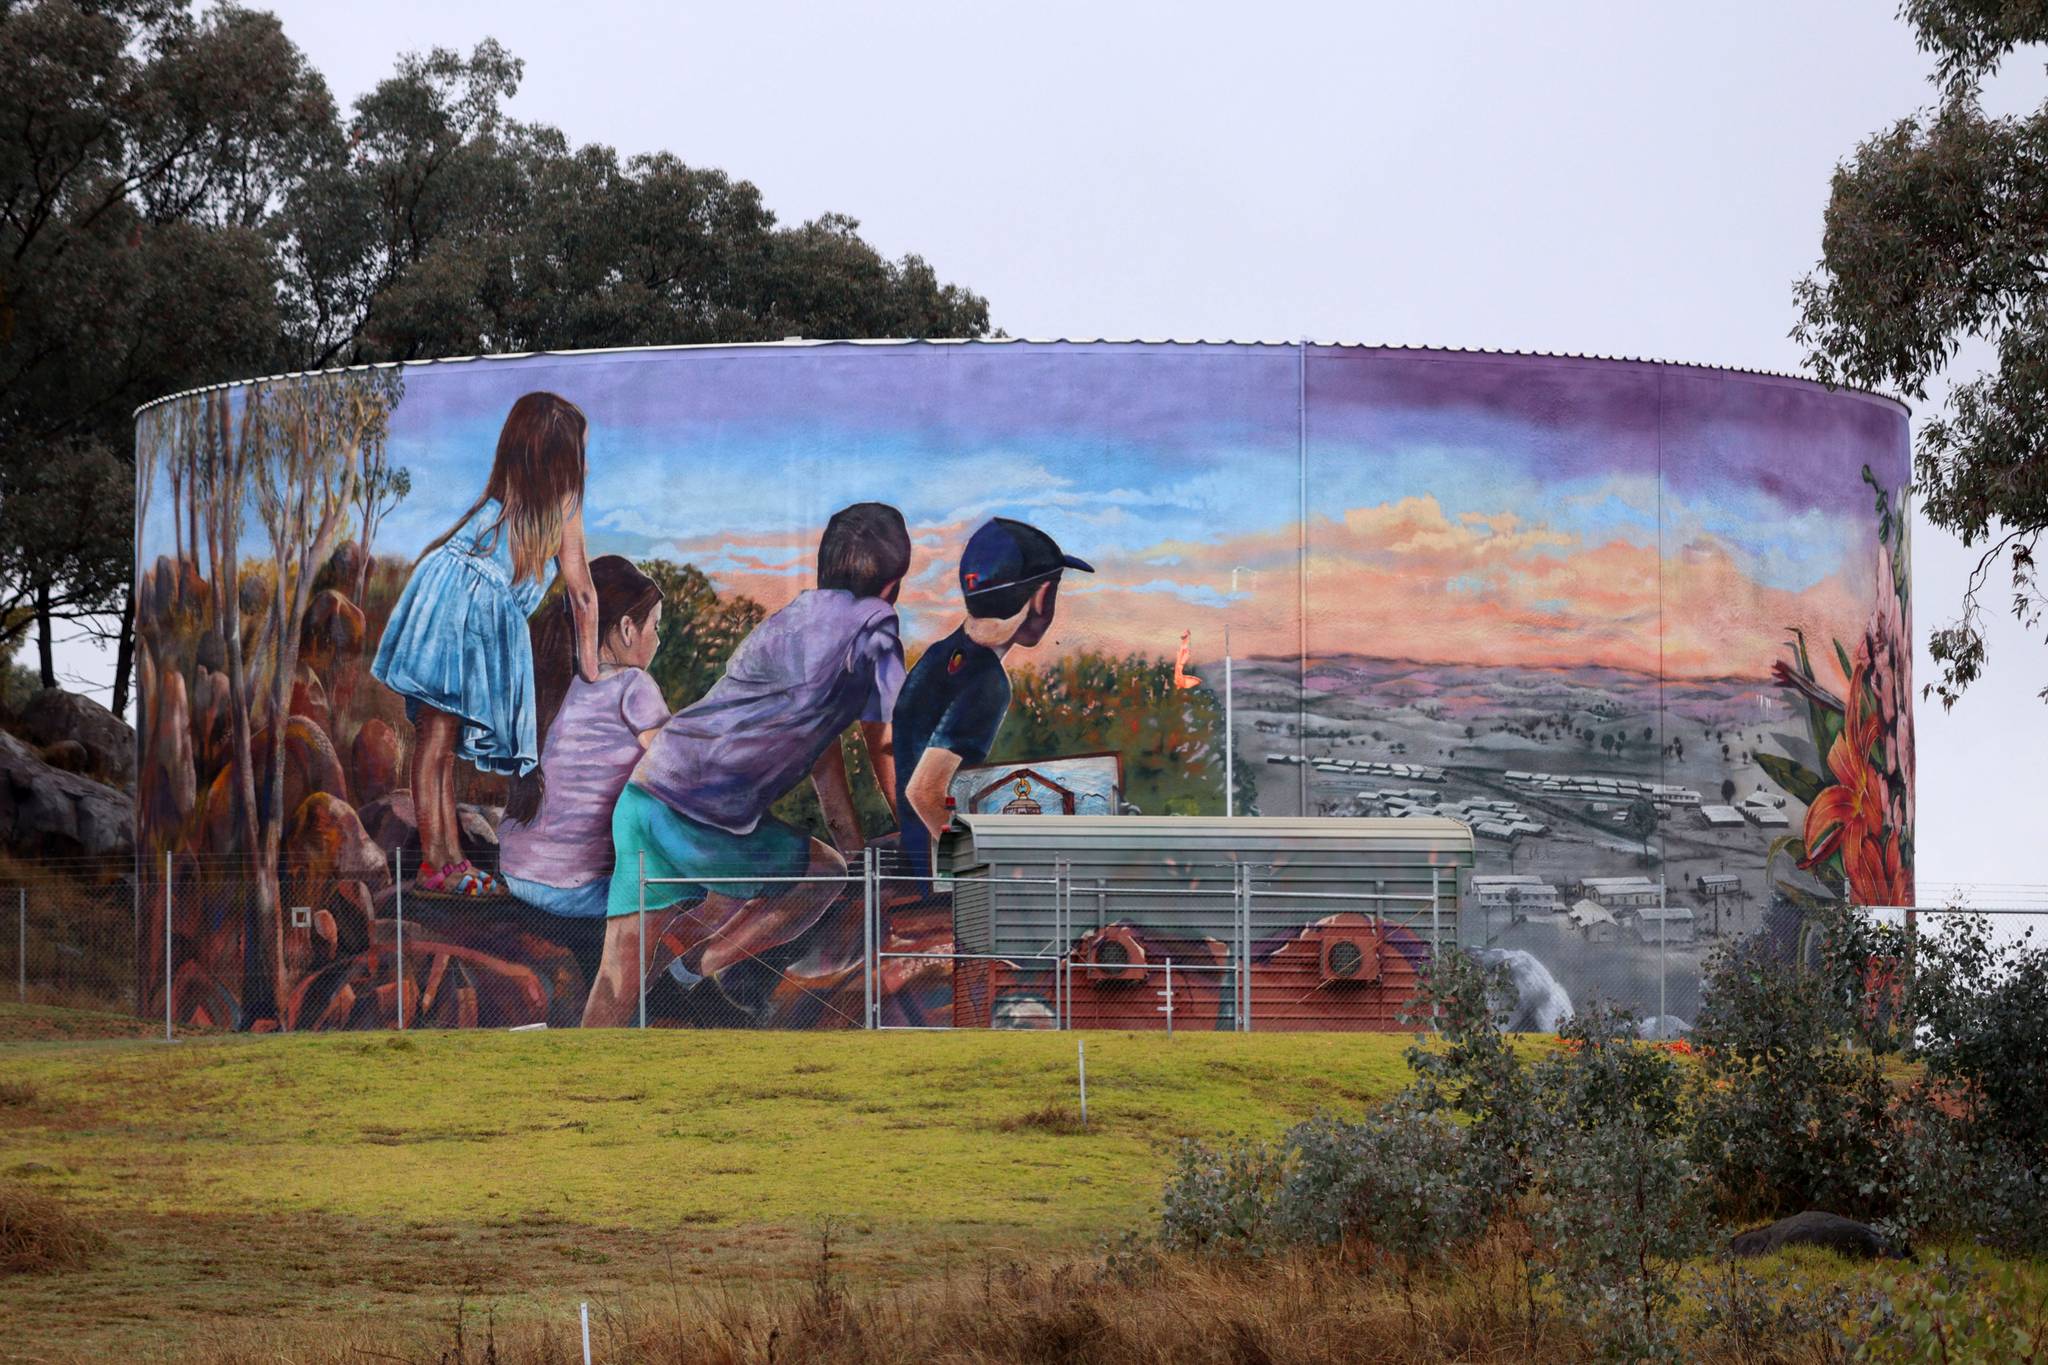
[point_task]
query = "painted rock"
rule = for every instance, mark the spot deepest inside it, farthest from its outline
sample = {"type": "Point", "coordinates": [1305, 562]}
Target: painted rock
{"type": "Point", "coordinates": [374, 760]}
{"type": "Point", "coordinates": [309, 697]}
{"type": "Point", "coordinates": [391, 821]}
{"type": "Point", "coordinates": [326, 844]}
{"type": "Point", "coordinates": [173, 778]}
{"type": "Point", "coordinates": [334, 629]}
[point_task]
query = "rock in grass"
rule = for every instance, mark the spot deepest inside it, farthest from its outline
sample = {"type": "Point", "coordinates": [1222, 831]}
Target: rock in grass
{"type": "Point", "coordinates": [1813, 1228]}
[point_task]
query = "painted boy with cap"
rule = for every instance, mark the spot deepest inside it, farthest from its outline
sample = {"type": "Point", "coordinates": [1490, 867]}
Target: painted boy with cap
{"type": "Point", "coordinates": [954, 700]}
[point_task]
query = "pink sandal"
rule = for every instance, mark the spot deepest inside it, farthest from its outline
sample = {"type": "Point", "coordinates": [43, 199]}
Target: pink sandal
{"type": "Point", "coordinates": [460, 879]}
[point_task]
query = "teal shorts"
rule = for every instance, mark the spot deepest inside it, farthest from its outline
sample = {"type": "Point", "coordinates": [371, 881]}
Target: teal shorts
{"type": "Point", "coordinates": [675, 846]}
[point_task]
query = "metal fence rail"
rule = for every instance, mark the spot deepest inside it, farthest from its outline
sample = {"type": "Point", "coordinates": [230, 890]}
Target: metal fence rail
{"type": "Point", "coordinates": [363, 946]}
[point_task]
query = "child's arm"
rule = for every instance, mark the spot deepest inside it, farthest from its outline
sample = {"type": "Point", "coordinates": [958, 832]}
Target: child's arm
{"type": "Point", "coordinates": [835, 799]}
{"type": "Point", "coordinates": [928, 786]}
{"type": "Point", "coordinates": [574, 562]}
{"type": "Point", "coordinates": [880, 737]}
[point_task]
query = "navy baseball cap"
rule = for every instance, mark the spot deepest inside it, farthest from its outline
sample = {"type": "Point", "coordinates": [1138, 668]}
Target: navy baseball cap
{"type": "Point", "coordinates": [1007, 554]}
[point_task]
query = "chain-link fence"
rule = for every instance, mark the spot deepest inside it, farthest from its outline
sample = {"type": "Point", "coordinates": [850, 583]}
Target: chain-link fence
{"type": "Point", "coordinates": [327, 943]}
{"type": "Point", "coordinates": [69, 929]}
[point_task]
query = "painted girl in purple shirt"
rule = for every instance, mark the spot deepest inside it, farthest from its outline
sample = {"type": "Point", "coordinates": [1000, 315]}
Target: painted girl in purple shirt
{"type": "Point", "coordinates": [555, 844]}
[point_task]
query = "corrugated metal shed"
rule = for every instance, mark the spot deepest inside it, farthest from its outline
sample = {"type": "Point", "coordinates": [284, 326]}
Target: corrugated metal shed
{"type": "Point", "coordinates": [1177, 875]}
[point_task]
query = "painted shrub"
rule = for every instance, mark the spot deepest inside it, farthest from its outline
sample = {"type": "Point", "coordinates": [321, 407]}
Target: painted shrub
{"type": "Point", "coordinates": [1629, 620]}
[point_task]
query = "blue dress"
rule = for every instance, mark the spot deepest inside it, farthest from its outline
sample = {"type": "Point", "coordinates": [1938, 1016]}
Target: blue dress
{"type": "Point", "coordinates": [457, 641]}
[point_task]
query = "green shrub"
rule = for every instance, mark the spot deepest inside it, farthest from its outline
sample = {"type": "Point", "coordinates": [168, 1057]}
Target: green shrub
{"type": "Point", "coordinates": [1614, 1203]}
{"type": "Point", "coordinates": [1400, 1183]}
{"type": "Point", "coordinates": [1221, 1199]}
{"type": "Point", "coordinates": [1395, 1185]}
{"type": "Point", "coordinates": [1470, 1068]}
{"type": "Point", "coordinates": [1947, 1313]}
{"type": "Point", "coordinates": [1981, 1027]}
{"type": "Point", "coordinates": [1793, 1110]}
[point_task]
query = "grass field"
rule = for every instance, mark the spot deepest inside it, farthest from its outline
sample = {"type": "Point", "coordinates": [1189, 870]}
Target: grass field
{"type": "Point", "coordinates": [347, 1175]}
{"type": "Point", "coordinates": [451, 1198]}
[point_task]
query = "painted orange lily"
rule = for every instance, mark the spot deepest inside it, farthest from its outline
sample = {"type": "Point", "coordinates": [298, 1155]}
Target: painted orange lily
{"type": "Point", "coordinates": [1848, 817]}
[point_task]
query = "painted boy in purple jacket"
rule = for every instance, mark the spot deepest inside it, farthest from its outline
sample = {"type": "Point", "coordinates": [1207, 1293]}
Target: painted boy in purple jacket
{"type": "Point", "coordinates": [697, 804]}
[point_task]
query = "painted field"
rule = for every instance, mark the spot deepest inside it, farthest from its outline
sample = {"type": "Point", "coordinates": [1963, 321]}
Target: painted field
{"type": "Point", "coordinates": [340, 1176]}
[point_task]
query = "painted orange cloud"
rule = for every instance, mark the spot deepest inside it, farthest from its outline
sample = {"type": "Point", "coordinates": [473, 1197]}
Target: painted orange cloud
{"type": "Point", "coordinates": [1402, 579]}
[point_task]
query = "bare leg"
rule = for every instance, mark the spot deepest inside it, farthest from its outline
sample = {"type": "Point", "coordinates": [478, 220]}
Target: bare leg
{"type": "Point", "coordinates": [615, 993]}
{"type": "Point", "coordinates": [719, 930]}
{"type": "Point", "coordinates": [433, 793]}
{"type": "Point", "coordinates": [776, 918]}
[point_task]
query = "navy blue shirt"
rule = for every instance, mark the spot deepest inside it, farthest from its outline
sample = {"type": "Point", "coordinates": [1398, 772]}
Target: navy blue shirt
{"type": "Point", "coordinates": [955, 699]}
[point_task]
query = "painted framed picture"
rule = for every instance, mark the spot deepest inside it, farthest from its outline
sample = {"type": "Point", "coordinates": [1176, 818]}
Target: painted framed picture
{"type": "Point", "coordinates": [1072, 784]}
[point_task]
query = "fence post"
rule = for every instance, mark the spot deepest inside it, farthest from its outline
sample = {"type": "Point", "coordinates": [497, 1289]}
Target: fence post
{"type": "Point", "coordinates": [1663, 960]}
{"type": "Point", "coordinates": [1237, 954]}
{"type": "Point", "coordinates": [1169, 998]}
{"type": "Point", "coordinates": [1248, 983]}
{"type": "Point", "coordinates": [167, 946]}
{"type": "Point", "coordinates": [870, 894]}
{"type": "Point", "coordinates": [1060, 983]}
{"type": "Point", "coordinates": [398, 942]}
{"type": "Point", "coordinates": [21, 958]}
{"type": "Point", "coordinates": [1436, 930]}
{"type": "Point", "coordinates": [640, 932]}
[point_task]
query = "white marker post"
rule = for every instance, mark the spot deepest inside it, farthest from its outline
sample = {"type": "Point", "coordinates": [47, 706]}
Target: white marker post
{"type": "Point", "coordinates": [1084, 1081]}
{"type": "Point", "coordinates": [1169, 999]}
{"type": "Point", "coordinates": [586, 1332]}
{"type": "Point", "coordinates": [1229, 725]}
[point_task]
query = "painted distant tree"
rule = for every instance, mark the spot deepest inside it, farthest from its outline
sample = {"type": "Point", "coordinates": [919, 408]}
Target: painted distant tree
{"type": "Point", "coordinates": [311, 435]}
{"type": "Point", "coordinates": [1642, 822]}
{"type": "Point", "coordinates": [379, 488]}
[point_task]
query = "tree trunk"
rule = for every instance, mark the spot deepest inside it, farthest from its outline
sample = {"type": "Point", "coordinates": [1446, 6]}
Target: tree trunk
{"type": "Point", "coordinates": [258, 996]}
{"type": "Point", "coordinates": [45, 645]}
{"type": "Point", "coordinates": [124, 653]}
{"type": "Point", "coordinates": [362, 584]}
{"type": "Point", "coordinates": [269, 892]}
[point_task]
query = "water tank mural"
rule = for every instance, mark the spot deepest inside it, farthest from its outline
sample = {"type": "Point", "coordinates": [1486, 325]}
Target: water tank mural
{"type": "Point", "coordinates": [482, 639]}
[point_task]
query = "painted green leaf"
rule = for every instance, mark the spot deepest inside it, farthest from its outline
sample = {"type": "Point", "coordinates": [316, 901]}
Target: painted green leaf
{"type": "Point", "coordinates": [1795, 779]}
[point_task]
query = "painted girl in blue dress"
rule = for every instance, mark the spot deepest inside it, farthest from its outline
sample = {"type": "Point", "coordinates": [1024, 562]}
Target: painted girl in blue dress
{"type": "Point", "coordinates": [457, 646]}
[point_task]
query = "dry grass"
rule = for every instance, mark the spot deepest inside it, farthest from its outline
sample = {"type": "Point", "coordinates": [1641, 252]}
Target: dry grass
{"type": "Point", "coordinates": [1295, 1311]}
{"type": "Point", "coordinates": [38, 1234]}
{"type": "Point", "coordinates": [71, 1016]}
{"type": "Point", "coordinates": [18, 1094]}
{"type": "Point", "coordinates": [1061, 1119]}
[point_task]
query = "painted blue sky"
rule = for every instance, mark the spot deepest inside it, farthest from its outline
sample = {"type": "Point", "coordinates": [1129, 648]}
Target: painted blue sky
{"type": "Point", "coordinates": [1168, 466]}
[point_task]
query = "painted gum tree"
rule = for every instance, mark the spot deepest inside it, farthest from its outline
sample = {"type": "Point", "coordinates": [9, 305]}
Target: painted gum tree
{"type": "Point", "coordinates": [314, 435]}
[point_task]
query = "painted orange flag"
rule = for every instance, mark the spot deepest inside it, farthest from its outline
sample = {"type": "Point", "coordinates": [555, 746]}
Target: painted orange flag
{"type": "Point", "coordinates": [1182, 679]}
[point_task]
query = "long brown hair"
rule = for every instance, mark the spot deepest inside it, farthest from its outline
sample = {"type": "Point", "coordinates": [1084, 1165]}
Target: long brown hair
{"type": "Point", "coordinates": [539, 467]}
{"type": "Point", "coordinates": [623, 594]}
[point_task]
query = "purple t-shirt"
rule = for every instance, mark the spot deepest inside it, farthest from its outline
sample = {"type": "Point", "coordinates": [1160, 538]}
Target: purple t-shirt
{"type": "Point", "coordinates": [791, 688]}
{"type": "Point", "coordinates": [587, 755]}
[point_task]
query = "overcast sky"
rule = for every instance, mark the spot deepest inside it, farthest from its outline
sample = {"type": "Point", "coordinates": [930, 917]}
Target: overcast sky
{"type": "Point", "coordinates": [1613, 179]}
